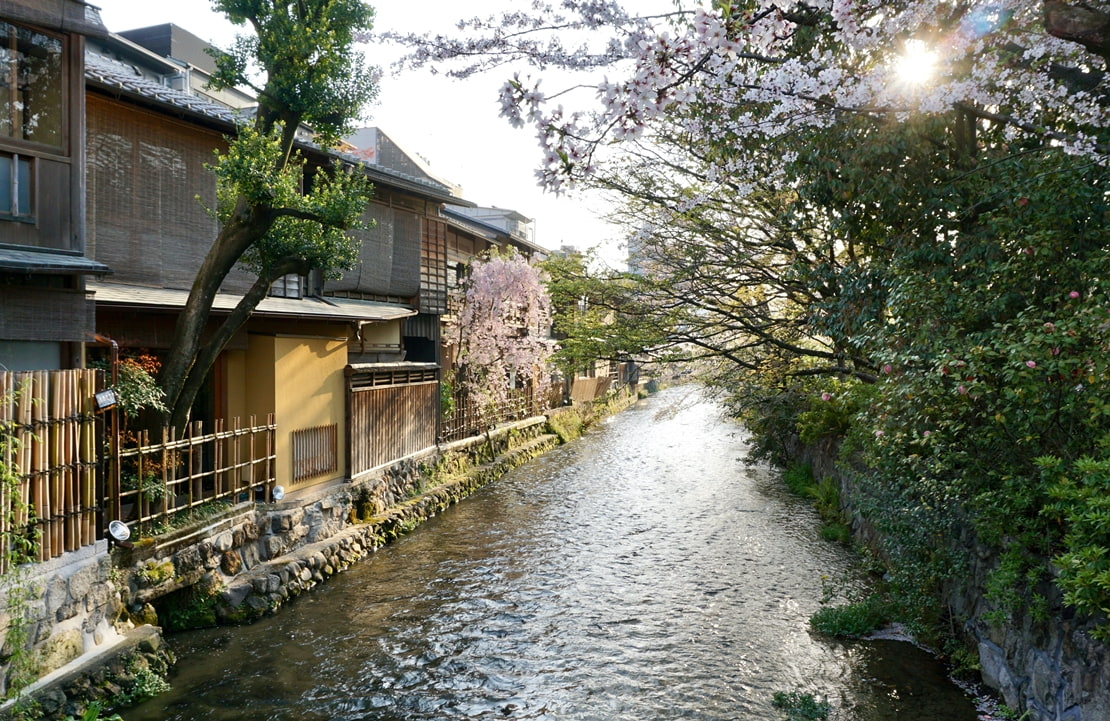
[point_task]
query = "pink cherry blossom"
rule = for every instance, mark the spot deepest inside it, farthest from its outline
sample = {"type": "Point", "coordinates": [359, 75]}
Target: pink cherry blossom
{"type": "Point", "coordinates": [501, 330]}
{"type": "Point", "coordinates": [706, 56]}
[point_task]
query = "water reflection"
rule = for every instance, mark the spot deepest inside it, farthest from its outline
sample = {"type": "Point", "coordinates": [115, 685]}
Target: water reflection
{"type": "Point", "coordinates": [642, 572]}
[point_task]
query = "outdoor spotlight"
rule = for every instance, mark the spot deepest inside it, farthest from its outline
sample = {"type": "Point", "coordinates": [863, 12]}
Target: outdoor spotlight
{"type": "Point", "coordinates": [278, 493]}
{"type": "Point", "coordinates": [105, 399]}
{"type": "Point", "coordinates": [119, 532]}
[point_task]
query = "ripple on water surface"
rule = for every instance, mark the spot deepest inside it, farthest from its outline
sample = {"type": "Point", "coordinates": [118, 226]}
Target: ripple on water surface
{"type": "Point", "coordinates": [642, 572]}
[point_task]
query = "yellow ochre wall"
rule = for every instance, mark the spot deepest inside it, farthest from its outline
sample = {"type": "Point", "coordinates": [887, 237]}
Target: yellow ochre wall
{"type": "Point", "coordinates": [301, 380]}
{"type": "Point", "coordinates": [381, 333]}
{"type": "Point", "coordinates": [236, 365]}
{"type": "Point", "coordinates": [308, 385]}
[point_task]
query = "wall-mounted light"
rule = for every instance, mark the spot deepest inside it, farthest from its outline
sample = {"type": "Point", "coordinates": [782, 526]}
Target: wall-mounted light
{"type": "Point", "coordinates": [105, 399]}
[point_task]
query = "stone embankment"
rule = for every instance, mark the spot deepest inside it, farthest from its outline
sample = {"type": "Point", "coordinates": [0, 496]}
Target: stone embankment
{"type": "Point", "coordinates": [97, 618]}
{"type": "Point", "coordinates": [1049, 668]}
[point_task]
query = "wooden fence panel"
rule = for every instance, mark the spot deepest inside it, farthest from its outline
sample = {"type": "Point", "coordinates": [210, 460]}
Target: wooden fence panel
{"type": "Point", "coordinates": [391, 422]}
{"type": "Point", "coordinates": [49, 442]}
{"type": "Point", "coordinates": [468, 419]}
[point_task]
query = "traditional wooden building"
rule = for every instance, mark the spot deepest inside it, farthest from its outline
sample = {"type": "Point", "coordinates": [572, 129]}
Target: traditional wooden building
{"type": "Point", "coordinates": [47, 314]}
{"type": "Point", "coordinates": [328, 358]}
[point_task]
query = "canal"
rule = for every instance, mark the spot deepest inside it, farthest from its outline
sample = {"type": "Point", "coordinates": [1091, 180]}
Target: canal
{"type": "Point", "coordinates": [642, 572]}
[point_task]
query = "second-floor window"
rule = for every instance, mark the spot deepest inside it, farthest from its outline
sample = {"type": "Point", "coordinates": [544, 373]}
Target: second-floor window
{"type": "Point", "coordinates": [31, 107]}
{"type": "Point", "coordinates": [16, 178]}
{"type": "Point", "coordinates": [288, 286]}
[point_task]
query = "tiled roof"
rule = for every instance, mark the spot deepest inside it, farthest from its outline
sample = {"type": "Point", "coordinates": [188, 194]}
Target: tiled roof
{"type": "Point", "coordinates": [310, 308]}
{"type": "Point", "coordinates": [118, 76]}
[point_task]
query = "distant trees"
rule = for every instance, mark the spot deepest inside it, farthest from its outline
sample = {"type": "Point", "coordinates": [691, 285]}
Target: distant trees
{"type": "Point", "coordinates": [600, 315]}
{"type": "Point", "coordinates": [274, 218]}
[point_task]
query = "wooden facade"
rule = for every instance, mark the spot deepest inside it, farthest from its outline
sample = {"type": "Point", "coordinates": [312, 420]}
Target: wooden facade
{"type": "Point", "coordinates": [46, 314]}
{"type": "Point", "coordinates": [392, 413]}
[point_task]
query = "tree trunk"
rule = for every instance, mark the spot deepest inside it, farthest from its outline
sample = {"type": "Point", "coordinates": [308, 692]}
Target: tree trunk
{"type": "Point", "coordinates": [246, 226]}
{"type": "Point", "coordinates": [205, 356]}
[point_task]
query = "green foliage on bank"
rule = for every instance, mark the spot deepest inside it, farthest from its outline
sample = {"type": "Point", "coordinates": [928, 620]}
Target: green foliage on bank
{"type": "Point", "coordinates": [976, 404]}
{"type": "Point", "coordinates": [799, 706]}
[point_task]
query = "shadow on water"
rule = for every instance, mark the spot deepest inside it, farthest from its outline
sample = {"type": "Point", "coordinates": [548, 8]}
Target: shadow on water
{"type": "Point", "coordinates": [642, 572]}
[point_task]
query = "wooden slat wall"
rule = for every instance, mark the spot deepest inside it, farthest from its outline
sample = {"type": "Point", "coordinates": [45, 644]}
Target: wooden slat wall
{"type": "Point", "coordinates": [49, 440]}
{"type": "Point", "coordinates": [585, 390]}
{"type": "Point", "coordinates": [391, 422]}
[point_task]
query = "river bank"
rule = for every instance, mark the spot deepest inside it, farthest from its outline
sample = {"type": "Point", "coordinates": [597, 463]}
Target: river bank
{"type": "Point", "coordinates": [247, 561]}
{"type": "Point", "coordinates": [642, 571]}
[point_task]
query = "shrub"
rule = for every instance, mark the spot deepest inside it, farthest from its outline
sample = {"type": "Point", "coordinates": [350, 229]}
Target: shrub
{"type": "Point", "coordinates": [852, 620]}
{"type": "Point", "coordinates": [801, 706]}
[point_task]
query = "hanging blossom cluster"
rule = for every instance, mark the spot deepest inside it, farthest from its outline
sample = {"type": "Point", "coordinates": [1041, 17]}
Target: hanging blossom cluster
{"type": "Point", "coordinates": [502, 328]}
{"type": "Point", "coordinates": [769, 69]}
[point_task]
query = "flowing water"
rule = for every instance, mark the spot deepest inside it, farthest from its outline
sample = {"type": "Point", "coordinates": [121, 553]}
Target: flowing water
{"type": "Point", "coordinates": [642, 572]}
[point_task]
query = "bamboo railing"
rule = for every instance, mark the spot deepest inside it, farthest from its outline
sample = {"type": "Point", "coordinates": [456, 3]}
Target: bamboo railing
{"type": "Point", "coordinates": [161, 479]}
{"type": "Point", "coordinates": [49, 440]}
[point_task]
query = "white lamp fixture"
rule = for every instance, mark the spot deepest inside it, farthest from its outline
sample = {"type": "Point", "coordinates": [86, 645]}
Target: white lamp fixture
{"type": "Point", "coordinates": [119, 531]}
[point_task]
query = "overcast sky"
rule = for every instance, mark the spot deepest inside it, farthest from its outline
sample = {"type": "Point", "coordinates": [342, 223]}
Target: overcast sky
{"type": "Point", "coordinates": [451, 124]}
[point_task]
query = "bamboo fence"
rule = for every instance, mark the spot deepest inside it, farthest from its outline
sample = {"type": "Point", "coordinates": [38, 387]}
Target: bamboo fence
{"type": "Point", "coordinates": [50, 450]}
{"type": "Point", "coordinates": [165, 478]}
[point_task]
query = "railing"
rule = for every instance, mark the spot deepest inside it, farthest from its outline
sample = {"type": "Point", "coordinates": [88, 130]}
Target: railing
{"type": "Point", "coordinates": [49, 439]}
{"type": "Point", "coordinates": [471, 419]}
{"type": "Point", "coordinates": [158, 480]}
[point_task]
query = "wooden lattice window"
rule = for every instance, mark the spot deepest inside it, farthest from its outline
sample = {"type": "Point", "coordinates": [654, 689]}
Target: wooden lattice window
{"type": "Point", "coordinates": [315, 451]}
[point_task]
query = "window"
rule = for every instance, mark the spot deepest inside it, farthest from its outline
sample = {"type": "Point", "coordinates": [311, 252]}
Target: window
{"type": "Point", "coordinates": [16, 187]}
{"type": "Point", "coordinates": [288, 286]}
{"type": "Point", "coordinates": [31, 105]}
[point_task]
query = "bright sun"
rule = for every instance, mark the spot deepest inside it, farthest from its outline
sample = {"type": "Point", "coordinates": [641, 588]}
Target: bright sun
{"type": "Point", "coordinates": [917, 63]}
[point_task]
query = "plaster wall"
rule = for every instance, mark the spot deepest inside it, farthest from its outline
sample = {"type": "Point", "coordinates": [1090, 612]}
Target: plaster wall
{"type": "Point", "coordinates": [308, 392]}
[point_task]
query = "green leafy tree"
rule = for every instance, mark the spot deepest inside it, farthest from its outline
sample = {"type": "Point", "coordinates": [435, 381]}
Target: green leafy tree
{"type": "Point", "coordinates": [278, 215]}
{"type": "Point", "coordinates": [599, 315]}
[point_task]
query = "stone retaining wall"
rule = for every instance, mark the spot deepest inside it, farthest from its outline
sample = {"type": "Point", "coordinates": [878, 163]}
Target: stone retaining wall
{"type": "Point", "coordinates": [250, 560]}
{"type": "Point", "coordinates": [1050, 669]}
{"type": "Point", "coordinates": [69, 604]}
{"type": "Point", "coordinates": [128, 669]}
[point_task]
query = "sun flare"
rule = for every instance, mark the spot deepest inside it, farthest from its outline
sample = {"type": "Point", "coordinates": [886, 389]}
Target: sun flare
{"type": "Point", "coordinates": [917, 63]}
